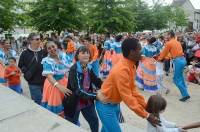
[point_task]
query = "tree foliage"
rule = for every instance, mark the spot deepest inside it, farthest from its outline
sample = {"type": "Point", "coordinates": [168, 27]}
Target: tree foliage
{"type": "Point", "coordinates": [55, 15]}
{"type": "Point", "coordinates": [111, 16]}
{"type": "Point", "coordinates": [144, 17]}
{"type": "Point", "coordinates": [98, 16]}
{"type": "Point", "coordinates": [7, 14]}
{"type": "Point", "coordinates": [179, 17]}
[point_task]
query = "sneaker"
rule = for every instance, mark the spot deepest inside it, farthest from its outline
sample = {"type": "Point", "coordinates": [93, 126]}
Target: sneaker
{"type": "Point", "coordinates": [184, 98]}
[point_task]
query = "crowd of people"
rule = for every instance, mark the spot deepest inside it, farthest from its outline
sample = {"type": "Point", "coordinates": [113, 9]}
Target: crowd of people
{"type": "Point", "coordinates": [92, 74]}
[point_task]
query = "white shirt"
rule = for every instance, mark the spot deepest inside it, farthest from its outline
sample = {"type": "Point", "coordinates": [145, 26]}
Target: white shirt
{"type": "Point", "coordinates": [166, 126]}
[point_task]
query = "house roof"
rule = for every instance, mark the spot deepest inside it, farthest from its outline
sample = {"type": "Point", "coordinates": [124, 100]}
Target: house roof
{"type": "Point", "coordinates": [178, 2]}
{"type": "Point", "coordinates": [181, 2]}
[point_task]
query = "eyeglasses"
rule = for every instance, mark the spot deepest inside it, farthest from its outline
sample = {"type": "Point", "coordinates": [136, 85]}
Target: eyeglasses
{"type": "Point", "coordinates": [37, 39]}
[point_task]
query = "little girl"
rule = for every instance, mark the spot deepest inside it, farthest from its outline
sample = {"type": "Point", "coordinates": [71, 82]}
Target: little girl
{"type": "Point", "coordinates": [156, 105]}
{"type": "Point", "coordinates": [159, 78]}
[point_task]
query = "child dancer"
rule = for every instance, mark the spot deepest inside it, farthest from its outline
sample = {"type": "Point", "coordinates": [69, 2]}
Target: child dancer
{"type": "Point", "coordinates": [156, 105]}
{"type": "Point", "coordinates": [159, 78]}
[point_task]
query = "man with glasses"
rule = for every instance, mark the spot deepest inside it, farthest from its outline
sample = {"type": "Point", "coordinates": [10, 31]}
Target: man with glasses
{"type": "Point", "coordinates": [30, 64]}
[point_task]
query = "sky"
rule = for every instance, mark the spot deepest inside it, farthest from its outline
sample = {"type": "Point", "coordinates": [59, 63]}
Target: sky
{"type": "Point", "coordinates": [196, 3]}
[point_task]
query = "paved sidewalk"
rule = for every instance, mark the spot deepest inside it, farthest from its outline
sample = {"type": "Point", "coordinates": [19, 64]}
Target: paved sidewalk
{"type": "Point", "coordinates": [19, 114]}
{"type": "Point", "coordinates": [179, 112]}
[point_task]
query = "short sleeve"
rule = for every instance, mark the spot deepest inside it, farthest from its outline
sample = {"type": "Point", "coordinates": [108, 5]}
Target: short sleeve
{"type": "Point", "coordinates": [2, 56]}
{"type": "Point", "coordinates": [47, 66]}
{"type": "Point", "coordinates": [107, 45]}
{"type": "Point", "coordinates": [14, 53]}
{"type": "Point", "coordinates": [143, 51]}
{"type": "Point", "coordinates": [112, 46]}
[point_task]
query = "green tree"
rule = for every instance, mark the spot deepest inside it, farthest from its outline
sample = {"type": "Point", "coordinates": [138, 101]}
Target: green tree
{"type": "Point", "coordinates": [22, 18]}
{"type": "Point", "coordinates": [144, 18]}
{"type": "Point", "coordinates": [179, 17]}
{"type": "Point", "coordinates": [55, 15]}
{"type": "Point", "coordinates": [161, 16]}
{"type": "Point", "coordinates": [7, 14]}
{"type": "Point", "coordinates": [111, 16]}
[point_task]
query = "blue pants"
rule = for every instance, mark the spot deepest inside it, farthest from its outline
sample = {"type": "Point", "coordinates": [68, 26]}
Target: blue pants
{"type": "Point", "coordinates": [89, 113]}
{"type": "Point", "coordinates": [36, 93]}
{"type": "Point", "coordinates": [109, 116]}
{"type": "Point", "coordinates": [2, 80]}
{"type": "Point", "coordinates": [179, 64]}
{"type": "Point", "coordinates": [17, 88]}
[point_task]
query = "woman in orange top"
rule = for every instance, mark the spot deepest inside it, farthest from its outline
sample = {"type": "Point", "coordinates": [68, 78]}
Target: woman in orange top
{"type": "Point", "coordinates": [120, 86]}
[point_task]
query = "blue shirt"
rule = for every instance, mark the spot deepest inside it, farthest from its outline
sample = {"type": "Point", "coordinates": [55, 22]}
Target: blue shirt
{"type": "Point", "coordinates": [2, 56]}
{"type": "Point", "coordinates": [107, 44]}
{"type": "Point", "coordinates": [116, 46]}
{"type": "Point", "coordinates": [11, 53]}
{"type": "Point", "coordinates": [150, 50]}
{"type": "Point", "coordinates": [50, 66]}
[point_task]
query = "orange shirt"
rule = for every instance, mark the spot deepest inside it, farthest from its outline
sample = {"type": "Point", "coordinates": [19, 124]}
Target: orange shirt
{"type": "Point", "coordinates": [173, 47]}
{"type": "Point", "coordinates": [93, 51]}
{"type": "Point", "coordinates": [168, 56]}
{"type": "Point", "coordinates": [12, 79]}
{"type": "Point", "coordinates": [120, 86]}
{"type": "Point", "coordinates": [70, 47]}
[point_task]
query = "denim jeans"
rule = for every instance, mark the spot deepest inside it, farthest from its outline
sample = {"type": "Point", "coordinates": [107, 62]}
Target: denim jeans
{"type": "Point", "coordinates": [16, 88]}
{"type": "Point", "coordinates": [89, 113]}
{"type": "Point", "coordinates": [179, 64]}
{"type": "Point", "coordinates": [109, 116]}
{"type": "Point", "coordinates": [36, 93]}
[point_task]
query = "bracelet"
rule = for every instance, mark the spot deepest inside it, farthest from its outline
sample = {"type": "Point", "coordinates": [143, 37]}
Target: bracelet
{"type": "Point", "coordinates": [56, 83]}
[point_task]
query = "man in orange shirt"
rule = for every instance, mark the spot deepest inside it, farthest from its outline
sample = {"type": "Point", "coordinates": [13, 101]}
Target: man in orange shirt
{"type": "Point", "coordinates": [120, 86]}
{"type": "Point", "coordinates": [175, 49]}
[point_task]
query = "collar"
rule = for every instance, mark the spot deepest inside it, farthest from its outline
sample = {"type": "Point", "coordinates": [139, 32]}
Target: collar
{"type": "Point", "coordinates": [79, 68]}
{"type": "Point", "coordinates": [29, 47]}
{"type": "Point", "coordinates": [129, 62]}
{"type": "Point", "coordinates": [173, 39]}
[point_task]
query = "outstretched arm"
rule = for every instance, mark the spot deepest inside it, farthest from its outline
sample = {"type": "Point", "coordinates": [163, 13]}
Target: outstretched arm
{"type": "Point", "coordinates": [191, 126]}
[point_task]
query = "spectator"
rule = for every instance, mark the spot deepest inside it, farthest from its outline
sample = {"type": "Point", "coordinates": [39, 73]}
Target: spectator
{"type": "Point", "coordinates": [30, 64]}
{"type": "Point", "coordinates": [12, 74]}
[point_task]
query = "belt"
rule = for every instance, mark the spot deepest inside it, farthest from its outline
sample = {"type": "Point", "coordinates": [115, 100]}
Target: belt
{"type": "Point", "coordinates": [178, 56]}
{"type": "Point", "coordinates": [109, 103]}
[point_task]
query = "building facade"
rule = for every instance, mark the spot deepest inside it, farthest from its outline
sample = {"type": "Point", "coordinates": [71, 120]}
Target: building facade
{"type": "Point", "coordinates": [193, 15]}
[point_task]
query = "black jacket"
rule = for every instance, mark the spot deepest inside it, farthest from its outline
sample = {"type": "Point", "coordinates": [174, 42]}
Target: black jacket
{"type": "Point", "coordinates": [35, 68]}
{"type": "Point", "coordinates": [75, 84]}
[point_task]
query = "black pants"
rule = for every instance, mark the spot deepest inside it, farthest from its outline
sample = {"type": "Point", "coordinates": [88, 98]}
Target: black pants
{"type": "Point", "coordinates": [89, 113]}
{"type": "Point", "coordinates": [166, 66]}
